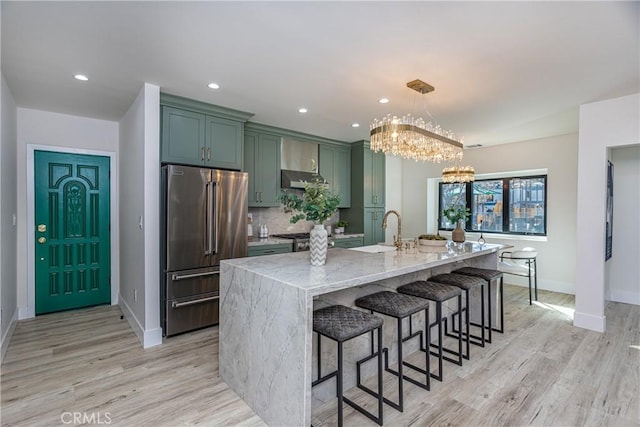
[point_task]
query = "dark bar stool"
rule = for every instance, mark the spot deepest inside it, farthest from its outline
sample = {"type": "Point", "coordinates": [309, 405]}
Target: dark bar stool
{"type": "Point", "coordinates": [398, 306]}
{"type": "Point", "coordinates": [341, 324]}
{"type": "Point", "coordinates": [466, 283]}
{"type": "Point", "coordinates": [438, 293]}
{"type": "Point", "coordinates": [489, 275]}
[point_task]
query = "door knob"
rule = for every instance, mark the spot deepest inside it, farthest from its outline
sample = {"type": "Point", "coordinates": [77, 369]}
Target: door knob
{"type": "Point", "coordinates": [42, 240]}
{"type": "Point", "coordinates": [42, 228]}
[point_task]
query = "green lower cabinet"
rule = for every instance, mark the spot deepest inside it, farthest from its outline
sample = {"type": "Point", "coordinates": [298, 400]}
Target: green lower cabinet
{"type": "Point", "coordinates": [373, 231]}
{"type": "Point", "coordinates": [348, 242]}
{"type": "Point", "coordinates": [270, 249]}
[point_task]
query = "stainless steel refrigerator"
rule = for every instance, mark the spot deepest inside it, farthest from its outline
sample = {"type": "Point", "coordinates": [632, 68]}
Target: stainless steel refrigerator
{"type": "Point", "coordinates": [204, 221]}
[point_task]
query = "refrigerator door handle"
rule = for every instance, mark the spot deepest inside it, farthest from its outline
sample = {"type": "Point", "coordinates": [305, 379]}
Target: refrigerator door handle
{"type": "Point", "coordinates": [209, 219]}
{"type": "Point", "coordinates": [213, 234]}
{"type": "Point", "coordinates": [176, 277]}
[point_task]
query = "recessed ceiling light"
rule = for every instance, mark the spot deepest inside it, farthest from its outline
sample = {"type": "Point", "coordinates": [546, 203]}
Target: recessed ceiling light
{"type": "Point", "coordinates": [383, 100]}
{"type": "Point", "coordinates": [213, 86]}
{"type": "Point", "coordinates": [302, 110]}
{"type": "Point", "coordinates": [81, 77]}
{"type": "Point", "coordinates": [355, 125]}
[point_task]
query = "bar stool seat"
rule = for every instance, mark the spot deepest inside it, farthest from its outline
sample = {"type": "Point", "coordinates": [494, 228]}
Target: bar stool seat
{"type": "Point", "coordinates": [466, 283]}
{"type": "Point", "coordinates": [399, 306]}
{"type": "Point", "coordinates": [341, 324]}
{"type": "Point", "coordinates": [489, 275]}
{"type": "Point", "coordinates": [438, 293]}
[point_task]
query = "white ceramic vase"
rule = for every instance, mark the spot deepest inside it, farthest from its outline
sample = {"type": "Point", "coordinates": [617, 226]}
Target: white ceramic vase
{"type": "Point", "coordinates": [318, 245]}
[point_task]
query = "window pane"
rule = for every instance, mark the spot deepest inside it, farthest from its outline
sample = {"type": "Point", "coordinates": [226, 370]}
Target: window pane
{"type": "Point", "coordinates": [486, 206]}
{"type": "Point", "coordinates": [451, 195]}
{"type": "Point", "coordinates": [527, 209]}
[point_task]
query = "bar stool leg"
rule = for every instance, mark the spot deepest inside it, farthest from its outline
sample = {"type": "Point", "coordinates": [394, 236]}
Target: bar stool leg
{"type": "Point", "coordinates": [339, 384]}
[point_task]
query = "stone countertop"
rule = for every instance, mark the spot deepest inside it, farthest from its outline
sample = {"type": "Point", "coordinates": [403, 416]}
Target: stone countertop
{"type": "Point", "coordinates": [345, 235]}
{"type": "Point", "coordinates": [256, 241]}
{"type": "Point", "coordinates": [345, 268]}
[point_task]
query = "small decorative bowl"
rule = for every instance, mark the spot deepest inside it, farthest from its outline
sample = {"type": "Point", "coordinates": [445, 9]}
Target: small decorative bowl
{"type": "Point", "coordinates": [437, 243]}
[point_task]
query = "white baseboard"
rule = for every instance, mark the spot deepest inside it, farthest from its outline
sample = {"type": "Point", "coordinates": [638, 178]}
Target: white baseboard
{"type": "Point", "coordinates": [26, 313]}
{"type": "Point", "coordinates": [6, 338]}
{"type": "Point", "coordinates": [589, 321]}
{"type": "Point", "coordinates": [544, 284]}
{"type": "Point", "coordinates": [148, 338]}
{"type": "Point", "coordinates": [625, 297]}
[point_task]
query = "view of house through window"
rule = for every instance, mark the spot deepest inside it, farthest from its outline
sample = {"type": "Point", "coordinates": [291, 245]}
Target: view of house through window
{"type": "Point", "coordinates": [513, 205]}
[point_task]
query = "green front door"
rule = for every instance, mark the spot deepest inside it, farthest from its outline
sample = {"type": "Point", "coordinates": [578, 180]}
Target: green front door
{"type": "Point", "coordinates": [72, 241]}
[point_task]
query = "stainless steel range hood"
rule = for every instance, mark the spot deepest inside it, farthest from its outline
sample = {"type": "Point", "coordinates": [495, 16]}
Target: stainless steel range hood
{"type": "Point", "coordinates": [298, 163]}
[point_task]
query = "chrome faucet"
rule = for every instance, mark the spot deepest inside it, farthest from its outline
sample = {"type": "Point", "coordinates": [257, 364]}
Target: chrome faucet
{"type": "Point", "coordinates": [397, 242]}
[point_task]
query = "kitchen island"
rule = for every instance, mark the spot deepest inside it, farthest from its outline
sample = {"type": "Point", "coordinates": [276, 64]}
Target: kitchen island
{"type": "Point", "coordinates": [266, 312]}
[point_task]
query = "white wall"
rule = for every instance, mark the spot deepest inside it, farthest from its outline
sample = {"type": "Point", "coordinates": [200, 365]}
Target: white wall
{"type": "Point", "coordinates": [603, 125]}
{"type": "Point", "coordinates": [556, 253]}
{"type": "Point", "coordinates": [8, 209]}
{"type": "Point", "coordinates": [140, 215]}
{"type": "Point", "coordinates": [393, 197]}
{"type": "Point", "coordinates": [623, 267]}
{"type": "Point", "coordinates": [58, 132]}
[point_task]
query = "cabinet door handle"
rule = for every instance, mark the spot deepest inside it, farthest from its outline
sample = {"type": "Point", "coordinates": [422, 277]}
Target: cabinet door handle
{"type": "Point", "coordinates": [202, 153]}
{"type": "Point", "coordinates": [208, 153]}
{"type": "Point", "coordinates": [257, 196]}
{"type": "Point", "coordinates": [260, 197]}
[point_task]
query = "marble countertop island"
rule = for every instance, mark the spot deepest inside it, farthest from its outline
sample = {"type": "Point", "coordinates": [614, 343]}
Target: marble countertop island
{"type": "Point", "coordinates": [266, 311]}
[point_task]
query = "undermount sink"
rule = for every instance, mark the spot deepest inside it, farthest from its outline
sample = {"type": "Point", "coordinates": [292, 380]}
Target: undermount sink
{"type": "Point", "coordinates": [375, 249]}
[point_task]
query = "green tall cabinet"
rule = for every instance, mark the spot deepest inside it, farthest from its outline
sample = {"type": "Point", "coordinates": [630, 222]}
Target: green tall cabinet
{"type": "Point", "coordinates": [367, 193]}
{"type": "Point", "coordinates": [262, 162]}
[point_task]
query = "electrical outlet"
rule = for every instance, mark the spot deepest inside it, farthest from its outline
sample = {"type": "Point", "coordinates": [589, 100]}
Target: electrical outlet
{"type": "Point", "coordinates": [135, 295]}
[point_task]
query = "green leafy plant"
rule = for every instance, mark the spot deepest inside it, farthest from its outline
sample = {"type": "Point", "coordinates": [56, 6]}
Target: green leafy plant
{"type": "Point", "coordinates": [342, 223]}
{"type": "Point", "coordinates": [317, 203]}
{"type": "Point", "coordinates": [456, 213]}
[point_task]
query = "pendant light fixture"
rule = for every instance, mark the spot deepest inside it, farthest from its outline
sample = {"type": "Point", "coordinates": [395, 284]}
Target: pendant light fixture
{"type": "Point", "coordinates": [414, 138]}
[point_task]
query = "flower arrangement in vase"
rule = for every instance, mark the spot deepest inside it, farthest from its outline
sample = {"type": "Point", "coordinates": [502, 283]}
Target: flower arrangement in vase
{"type": "Point", "coordinates": [457, 214]}
{"type": "Point", "coordinates": [317, 204]}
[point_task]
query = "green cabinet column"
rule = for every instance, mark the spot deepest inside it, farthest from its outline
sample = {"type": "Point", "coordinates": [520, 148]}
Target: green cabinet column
{"type": "Point", "coordinates": [367, 193]}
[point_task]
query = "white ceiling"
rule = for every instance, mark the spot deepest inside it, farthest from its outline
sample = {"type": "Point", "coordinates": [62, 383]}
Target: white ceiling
{"type": "Point", "coordinates": [503, 71]}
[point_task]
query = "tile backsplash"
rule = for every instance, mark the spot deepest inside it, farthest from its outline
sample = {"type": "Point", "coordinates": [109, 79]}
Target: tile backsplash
{"type": "Point", "coordinates": [277, 220]}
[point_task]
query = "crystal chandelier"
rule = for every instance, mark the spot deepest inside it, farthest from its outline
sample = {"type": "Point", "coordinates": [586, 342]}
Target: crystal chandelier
{"type": "Point", "coordinates": [414, 138]}
{"type": "Point", "coordinates": [458, 174]}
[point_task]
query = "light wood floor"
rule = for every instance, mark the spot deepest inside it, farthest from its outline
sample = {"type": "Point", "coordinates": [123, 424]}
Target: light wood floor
{"type": "Point", "coordinates": [541, 372]}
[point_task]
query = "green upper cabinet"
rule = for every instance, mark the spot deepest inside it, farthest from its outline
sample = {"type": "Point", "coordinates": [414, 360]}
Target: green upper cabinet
{"type": "Point", "coordinates": [262, 162]}
{"type": "Point", "coordinates": [374, 176]}
{"type": "Point", "coordinates": [335, 167]}
{"type": "Point", "coordinates": [200, 134]}
{"type": "Point", "coordinates": [182, 136]}
{"type": "Point", "coordinates": [224, 143]}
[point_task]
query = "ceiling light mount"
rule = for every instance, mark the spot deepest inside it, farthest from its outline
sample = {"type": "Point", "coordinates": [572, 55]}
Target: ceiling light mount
{"type": "Point", "coordinates": [420, 86]}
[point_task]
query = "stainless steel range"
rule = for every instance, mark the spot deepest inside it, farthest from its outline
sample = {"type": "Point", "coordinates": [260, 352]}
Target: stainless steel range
{"type": "Point", "coordinates": [300, 240]}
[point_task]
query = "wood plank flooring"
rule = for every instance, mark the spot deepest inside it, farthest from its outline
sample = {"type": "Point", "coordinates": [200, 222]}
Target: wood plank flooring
{"type": "Point", "coordinates": [541, 372]}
